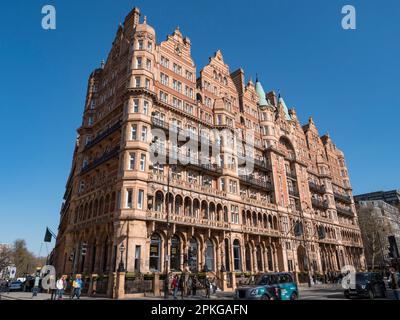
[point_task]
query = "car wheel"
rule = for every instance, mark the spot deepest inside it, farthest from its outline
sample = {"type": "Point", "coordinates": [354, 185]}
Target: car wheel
{"type": "Point", "coordinates": [294, 296]}
{"type": "Point", "coordinates": [371, 294]}
{"type": "Point", "coordinates": [265, 297]}
{"type": "Point", "coordinates": [347, 295]}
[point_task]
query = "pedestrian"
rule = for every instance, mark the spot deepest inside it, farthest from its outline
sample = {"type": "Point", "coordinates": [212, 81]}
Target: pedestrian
{"type": "Point", "coordinates": [61, 286]}
{"type": "Point", "coordinates": [77, 287]}
{"type": "Point", "coordinates": [175, 286]}
{"type": "Point", "coordinates": [394, 283]}
{"type": "Point", "coordinates": [35, 289]}
{"type": "Point", "coordinates": [189, 286]}
{"type": "Point", "coordinates": [207, 285]}
{"type": "Point", "coordinates": [182, 285]}
{"type": "Point", "coordinates": [53, 291]}
{"type": "Point", "coordinates": [194, 286]}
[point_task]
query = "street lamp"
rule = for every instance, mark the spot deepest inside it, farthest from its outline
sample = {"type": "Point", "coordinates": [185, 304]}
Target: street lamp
{"type": "Point", "coordinates": [121, 267]}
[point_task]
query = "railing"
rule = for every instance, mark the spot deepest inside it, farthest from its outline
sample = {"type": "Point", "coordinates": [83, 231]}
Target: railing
{"type": "Point", "coordinates": [347, 212]}
{"type": "Point", "coordinates": [105, 157]}
{"type": "Point", "coordinates": [160, 123]}
{"type": "Point", "coordinates": [261, 230]}
{"type": "Point", "coordinates": [187, 220]}
{"type": "Point", "coordinates": [187, 185]}
{"type": "Point", "coordinates": [103, 135]}
{"type": "Point", "coordinates": [257, 182]}
{"type": "Point", "coordinates": [257, 202]}
{"type": "Point", "coordinates": [341, 197]}
{"type": "Point", "coordinates": [291, 175]}
{"type": "Point", "coordinates": [315, 187]}
{"type": "Point", "coordinates": [319, 204]}
{"type": "Point", "coordinates": [262, 164]}
{"type": "Point", "coordinates": [294, 193]}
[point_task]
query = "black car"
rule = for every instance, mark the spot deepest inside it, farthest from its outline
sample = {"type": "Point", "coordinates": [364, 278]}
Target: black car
{"type": "Point", "coordinates": [368, 285]}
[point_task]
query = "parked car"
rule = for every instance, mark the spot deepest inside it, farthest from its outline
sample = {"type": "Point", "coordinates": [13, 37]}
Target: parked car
{"type": "Point", "coordinates": [368, 285]}
{"type": "Point", "coordinates": [269, 286]}
{"type": "Point", "coordinates": [16, 286]}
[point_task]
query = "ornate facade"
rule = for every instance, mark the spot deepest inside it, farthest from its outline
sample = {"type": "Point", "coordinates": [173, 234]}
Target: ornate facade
{"type": "Point", "coordinates": [282, 202]}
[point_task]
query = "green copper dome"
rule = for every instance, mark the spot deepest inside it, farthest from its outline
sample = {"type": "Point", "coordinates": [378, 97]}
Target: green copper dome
{"type": "Point", "coordinates": [285, 108]}
{"type": "Point", "coordinates": [262, 101]}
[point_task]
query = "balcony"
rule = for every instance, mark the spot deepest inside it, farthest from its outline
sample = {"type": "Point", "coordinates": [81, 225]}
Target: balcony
{"type": "Point", "coordinates": [342, 198]}
{"type": "Point", "coordinates": [104, 158]}
{"type": "Point", "coordinates": [103, 135]}
{"type": "Point", "coordinates": [187, 220]}
{"type": "Point", "coordinates": [262, 164]}
{"type": "Point", "coordinates": [345, 211]}
{"type": "Point", "coordinates": [256, 182]}
{"type": "Point", "coordinates": [160, 123]}
{"type": "Point", "coordinates": [291, 175]}
{"type": "Point", "coordinates": [294, 193]}
{"type": "Point", "coordinates": [319, 204]}
{"type": "Point", "coordinates": [180, 183]}
{"type": "Point", "coordinates": [317, 188]}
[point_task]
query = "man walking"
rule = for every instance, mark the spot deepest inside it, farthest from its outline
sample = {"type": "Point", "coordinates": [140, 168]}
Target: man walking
{"type": "Point", "coordinates": [394, 283]}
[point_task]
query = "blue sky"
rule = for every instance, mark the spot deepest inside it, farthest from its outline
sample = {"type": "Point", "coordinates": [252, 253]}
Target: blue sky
{"type": "Point", "coordinates": [347, 80]}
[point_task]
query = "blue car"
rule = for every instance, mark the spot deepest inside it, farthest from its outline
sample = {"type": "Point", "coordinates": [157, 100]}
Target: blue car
{"type": "Point", "coordinates": [269, 286]}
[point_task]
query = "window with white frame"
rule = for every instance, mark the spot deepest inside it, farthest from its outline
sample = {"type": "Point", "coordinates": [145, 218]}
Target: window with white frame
{"type": "Point", "coordinates": [137, 82]}
{"type": "Point", "coordinates": [147, 84]}
{"type": "Point", "coordinates": [129, 198]}
{"type": "Point", "coordinates": [143, 136]}
{"type": "Point", "coordinates": [142, 162]}
{"type": "Point", "coordinates": [139, 62]}
{"type": "Point", "coordinates": [133, 132]}
{"type": "Point", "coordinates": [140, 200]}
{"type": "Point", "coordinates": [135, 105]}
{"type": "Point", "coordinates": [164, 62]}
{"type": "Point", "coordinates": [132, 160]}
{"type": "Point", "coordinates": [164, 79]}
{"type": "Point", "coordinates": [146, 107]}
{"type": "Point", "coordinates": [232, 186]}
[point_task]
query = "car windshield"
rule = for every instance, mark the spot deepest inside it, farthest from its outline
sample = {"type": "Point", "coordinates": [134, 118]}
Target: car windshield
{"type": "Point", "coordinates": [260, 280]}
{"type": "Point", "coordinates": [361, 277]}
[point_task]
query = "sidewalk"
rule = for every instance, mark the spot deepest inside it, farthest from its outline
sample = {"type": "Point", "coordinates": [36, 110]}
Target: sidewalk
{"type": "Point", "coordinates": [39, 297]}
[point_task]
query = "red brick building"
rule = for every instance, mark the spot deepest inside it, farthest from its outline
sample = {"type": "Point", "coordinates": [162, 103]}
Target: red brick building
{"type": "Point", "coordinates": [264, 194]}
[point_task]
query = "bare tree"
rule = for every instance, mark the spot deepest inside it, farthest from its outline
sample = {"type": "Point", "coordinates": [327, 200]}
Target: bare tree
{"type": "Point", "coordinates": [5, 257]}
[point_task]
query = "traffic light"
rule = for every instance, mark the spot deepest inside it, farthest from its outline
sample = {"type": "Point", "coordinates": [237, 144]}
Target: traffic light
{"type": "Point", "coordinates": [84, 248]}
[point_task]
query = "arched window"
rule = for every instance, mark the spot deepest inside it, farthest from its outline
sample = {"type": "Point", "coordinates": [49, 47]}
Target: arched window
{"type": "Point", "coordinates": [159, 207]}
{"type": "Point", "coordinates": [237, 258]}
{"type": "Point", "coordinates": [175, 253]}
{"type": "Point", "coordinates": [209, 255]}
{"type": "Point", "coordinates": [248, 258]}
{"type": "Point", "coordinates": [259, 258]}
{"type": "Point", "coordinates": [155, 252]}
{"type": "Point", "coordinates": [178, 205]}
{"type": "Point", "coordinates": [270, 259]}
{"type": "Point", "coordinates": [192, 255]}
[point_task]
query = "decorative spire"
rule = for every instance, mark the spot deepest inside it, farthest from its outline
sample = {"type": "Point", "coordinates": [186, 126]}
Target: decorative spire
{"type": "Point", "coordinates": [145, 20]}
{"type": "Point", "coordinates": [262, 100]}
{"type": "Point", "coordinates": [102, 64]}
{"type": "Point", "coordinates": [285, 108]}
